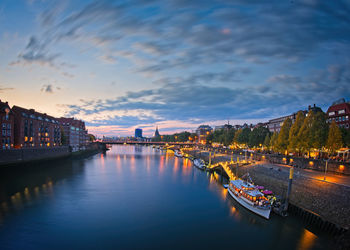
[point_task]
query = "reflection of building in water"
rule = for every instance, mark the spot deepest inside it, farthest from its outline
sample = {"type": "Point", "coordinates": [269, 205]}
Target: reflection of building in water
{"type": "Point", "coordinates": [307, 240]}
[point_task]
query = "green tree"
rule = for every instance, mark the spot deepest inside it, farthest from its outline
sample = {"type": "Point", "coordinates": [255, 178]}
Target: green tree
{"type": "Point", "coordinates": [227, 136]}
{"type": "Point", "coordinates": [257, 136]}
{"type": "Point", "coordinates": [304, 141]}
{"type": "Point", "coordinates": [267, 140]}
{"type": "Point", "coordinates": [334, 141]}
{"type": "Point", "coordinates": [92, 138]}
{"type": "Point", "coordinates": [345, 136]}
{"type": "Point", "coordinates": [294, 131]}
{"type": "Point", "coordinates": [283, 136]}
{"type": "Point", "coordinates": [319, 130]}
{"type": "Point", "coordinates": [237, 135]}
{"type": "Point", "coordinates": [273, 141]}
{"type": "Point", "coordinates": [243, 137]}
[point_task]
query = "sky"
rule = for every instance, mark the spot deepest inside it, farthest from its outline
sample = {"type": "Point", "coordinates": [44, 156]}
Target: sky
{"type": "Point", "coordinates": [175, 64]}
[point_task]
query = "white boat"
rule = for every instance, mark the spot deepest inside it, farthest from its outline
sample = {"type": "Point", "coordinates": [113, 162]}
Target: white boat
{"type": "Point", "coordinates": [199, 163]}
{"type": "Point", "coordinates": [178, 153]}
{"type": "Point", "coordinates": [249, 197]}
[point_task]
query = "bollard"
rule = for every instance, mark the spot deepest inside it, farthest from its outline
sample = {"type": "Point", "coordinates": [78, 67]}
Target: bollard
{"type": "Point", "coordinates": [209, 159]}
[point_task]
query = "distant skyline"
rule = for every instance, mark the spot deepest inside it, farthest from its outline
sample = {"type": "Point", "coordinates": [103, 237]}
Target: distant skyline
{"type": "Point", "coordinates": [121, 65]}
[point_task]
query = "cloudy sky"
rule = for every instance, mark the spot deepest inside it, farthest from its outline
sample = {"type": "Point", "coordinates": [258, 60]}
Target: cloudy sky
{"type": "Point", "coordinates": [176, 63]}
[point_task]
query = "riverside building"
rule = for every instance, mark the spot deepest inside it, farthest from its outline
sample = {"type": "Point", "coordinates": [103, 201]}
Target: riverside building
{"type": "Point", "coordinates": [74, 133]}
{"type": "Point", "coordinates": [274, 125]}
{"type": "Point", "coordinates": [339, 112]}
{"type": "Point", "coordinates": [34, 129]}
{"type": "Point", "coordinates": [202, 132]}
{"type": "Point", "coordinates": [7, 126]}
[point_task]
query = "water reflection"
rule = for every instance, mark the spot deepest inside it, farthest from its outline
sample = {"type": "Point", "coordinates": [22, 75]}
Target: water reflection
{"type": "Point", "coordinates": [307, 240]}
{"type": "Point", "coordinates": [110, 192]}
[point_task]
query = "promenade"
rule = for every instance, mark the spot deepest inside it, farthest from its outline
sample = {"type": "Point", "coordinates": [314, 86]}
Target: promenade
{"type": "Point", "coordinates": [329, 199]}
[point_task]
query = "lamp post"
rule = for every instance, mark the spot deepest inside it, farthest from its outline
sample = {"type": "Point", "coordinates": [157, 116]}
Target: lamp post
{"type": "Point", "coordinates": [325, 170]}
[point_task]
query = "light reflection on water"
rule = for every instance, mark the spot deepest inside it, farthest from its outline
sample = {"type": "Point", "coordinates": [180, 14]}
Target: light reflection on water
{"type": "Point", "coordinates": [136, 197]}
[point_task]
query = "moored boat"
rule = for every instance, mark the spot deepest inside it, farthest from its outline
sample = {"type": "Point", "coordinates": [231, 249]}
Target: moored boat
{"type": "Point", "coordinates": [178, 153]}
{"type": "Point", "coordinates": [199, 163]}
{"type": "Point", "coordinates": [249, 197]}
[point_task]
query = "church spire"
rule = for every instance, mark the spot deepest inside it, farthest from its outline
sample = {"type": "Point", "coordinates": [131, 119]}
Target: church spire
{"type": "Point", "coordinates": [156, 134]}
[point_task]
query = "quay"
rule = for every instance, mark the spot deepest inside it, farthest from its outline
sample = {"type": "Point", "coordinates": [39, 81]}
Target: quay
{"type": "Point", "coordinates": [13, 157]}
{"type": "Point", "coordinates": [320, 203]}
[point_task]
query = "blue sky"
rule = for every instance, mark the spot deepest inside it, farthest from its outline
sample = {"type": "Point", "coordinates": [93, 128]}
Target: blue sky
{"type": "Point", "coordinates": [176, 64]}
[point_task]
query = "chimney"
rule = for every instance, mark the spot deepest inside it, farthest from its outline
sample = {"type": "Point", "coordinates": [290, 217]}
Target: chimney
{"type": "Point", "coordinates": [309, 107]}
{"type": "Point", "coordinates": [314, 105]}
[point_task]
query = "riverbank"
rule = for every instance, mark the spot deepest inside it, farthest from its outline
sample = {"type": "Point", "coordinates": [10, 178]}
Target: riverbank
{"type": "Point", "coordinates": [14, 157]}
{"type": "Point", "coordinates": [329, 201]}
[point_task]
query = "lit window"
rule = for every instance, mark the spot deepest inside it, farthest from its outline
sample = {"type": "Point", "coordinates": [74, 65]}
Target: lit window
{"type": "Point", "coordinates": [341, 111]}
{"type": "Point", "coordinates": [331, 113]}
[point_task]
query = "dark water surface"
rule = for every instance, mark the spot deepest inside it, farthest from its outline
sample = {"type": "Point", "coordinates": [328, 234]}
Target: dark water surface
{"type": "Point", "coordinates": [135, 197]}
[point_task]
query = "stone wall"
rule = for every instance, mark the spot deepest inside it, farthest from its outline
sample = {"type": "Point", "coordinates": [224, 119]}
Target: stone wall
{"type": "Point", "coordinates": [13, 156]}
{"type": "Point", "coordinates": [330, 201]}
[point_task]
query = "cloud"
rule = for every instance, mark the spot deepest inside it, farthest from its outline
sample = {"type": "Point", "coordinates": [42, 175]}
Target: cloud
{"type": "Point", "coordinates": [207, 60]}
{"type": "Point", "coordinates": [3, 89]}
{"type": "Point", "coordinates": [49, 88]}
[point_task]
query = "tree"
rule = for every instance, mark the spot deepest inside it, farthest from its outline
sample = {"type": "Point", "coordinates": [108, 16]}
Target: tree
{"type": "Point", "coordinates": [273, 141]}
{"type": "Point", "coordinates": [257, 136]}
{"type": "Point", "coordinates": [92, 138]}
{"type": "Point", "coordinates": [345, 136]}
{"type": "Point", "coordinates": [304, 140]}
{"type": "Point", "coordinates": [267, 140]}
{"type": "Point", "coordinates": [283, 136]}
{"type": "Point", "coordinates": [243, 137]}
{"type": "Point", "coordinates": [294, 131]}
{"type": "Point", "coordinates": [334, 140]}
{"type": "Point", "coordinates": [237, 135]}
{"type": "Point", "coordinates": [320, 130]}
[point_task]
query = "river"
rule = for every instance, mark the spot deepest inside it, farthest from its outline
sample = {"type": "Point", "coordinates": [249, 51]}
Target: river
{"type": "Point", "coordinates": [135, 197]}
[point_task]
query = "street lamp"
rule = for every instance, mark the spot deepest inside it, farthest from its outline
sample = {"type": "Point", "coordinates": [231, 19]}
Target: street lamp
{"type": "Point", "coordinates": [325, 170]}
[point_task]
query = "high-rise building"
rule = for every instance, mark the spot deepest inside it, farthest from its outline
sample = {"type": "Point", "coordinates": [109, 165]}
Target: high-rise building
{"type": "Point", "coordinates": [138, 133]}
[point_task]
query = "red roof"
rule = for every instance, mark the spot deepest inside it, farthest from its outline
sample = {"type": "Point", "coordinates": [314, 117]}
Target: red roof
{"type": "Point", "coordinates": [341, 106]}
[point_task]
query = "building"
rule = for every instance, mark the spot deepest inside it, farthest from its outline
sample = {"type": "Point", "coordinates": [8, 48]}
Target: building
{"type": "Point", "coordinates": [34, 129]}
{"type": "Point", "coordinates": [138, 133]}
{"type": "Point", "coordinates": [275, 125]}
{"type": "Point", "coordinates": [202, 132]}
{"type": "Point", "coordinates": [339, 112]}
{"type": "Point", "coordinates": [7, 126]}
{"type": "Point", "coordinates": [74, 133]}
{"type": "Point", "coordinates": [227, 126]}
{"type": "Point", "coordinates": [156, 134]}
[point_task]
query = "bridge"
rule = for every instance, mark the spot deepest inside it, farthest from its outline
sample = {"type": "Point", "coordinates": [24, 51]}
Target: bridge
{"type": "Point", "coordinates": [161, 143]}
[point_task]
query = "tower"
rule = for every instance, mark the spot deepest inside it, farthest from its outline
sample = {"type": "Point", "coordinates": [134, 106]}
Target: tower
{"type": "Point", "coordinates": [156, 134]}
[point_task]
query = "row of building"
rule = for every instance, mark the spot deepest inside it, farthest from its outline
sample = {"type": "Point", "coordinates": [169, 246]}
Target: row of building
{"type": "Point", "coordinates": [25, 128]}
{"type": "Point", "coordinates": [339, 112]}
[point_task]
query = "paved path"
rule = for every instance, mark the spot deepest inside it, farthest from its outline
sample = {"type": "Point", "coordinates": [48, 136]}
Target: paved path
{"type": "Point", "coordinates": [313, 174]}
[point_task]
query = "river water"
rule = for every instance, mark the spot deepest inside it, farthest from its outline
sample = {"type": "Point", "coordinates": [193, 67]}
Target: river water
{"type": "Point", "coordinates": [135, 197]}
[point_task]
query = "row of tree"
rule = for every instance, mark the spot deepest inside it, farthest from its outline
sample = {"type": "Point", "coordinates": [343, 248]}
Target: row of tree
{"type": "Point", "coordinates": [306, 133]}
